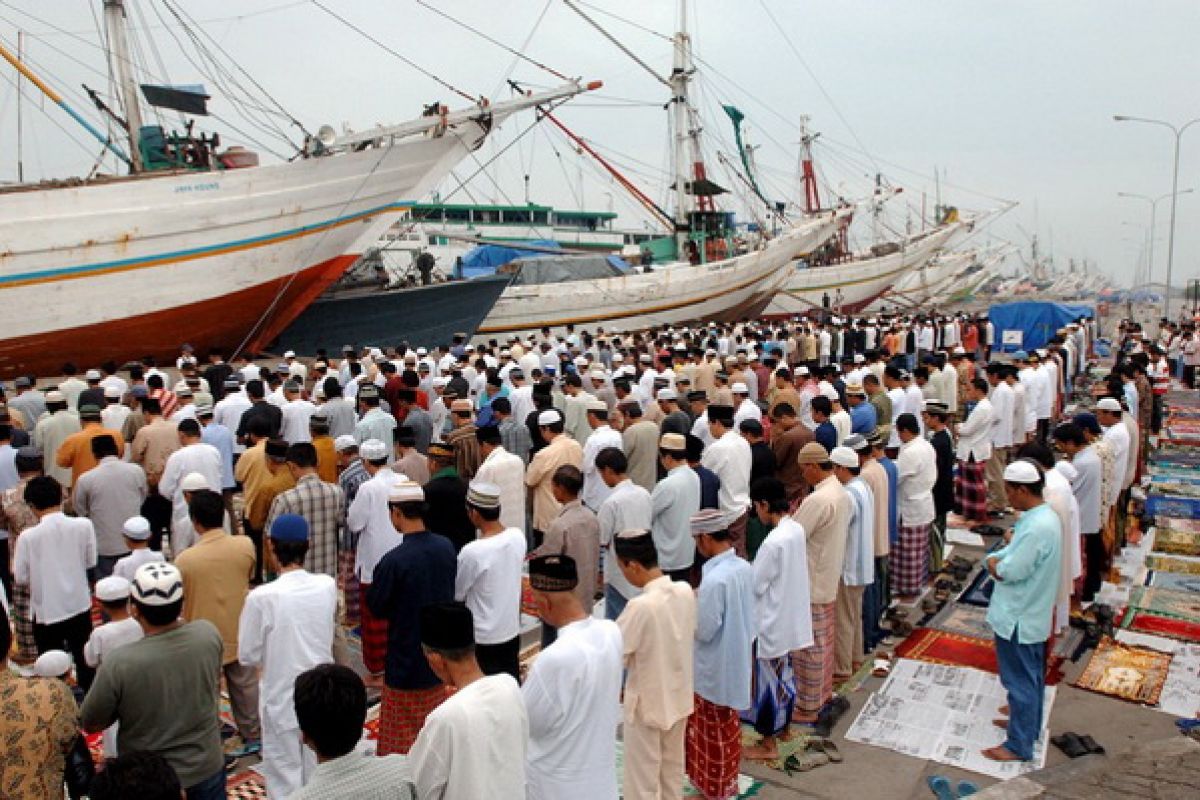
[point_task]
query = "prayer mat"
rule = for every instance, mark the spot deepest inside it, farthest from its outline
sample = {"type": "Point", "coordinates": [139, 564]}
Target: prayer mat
{"type": "Point", "coordinates": [979, 593]}
{"type": "Point", "coordinates": [246, 785]}
{"type": "Point", "coordinates": [1177, 542]}
{"type": "Point", "coordinates": [1173, 580]}
{"type": "Point", "coordinates": [1173, 505]}
{"type": "Point", "coordinates": [1166, 602]}
{"type": "Point", "coordinates": [1145, 622]}
{"type": "Point", "coordinates": [747, 786]}
{"type": "Point", "coordinates": [1187, 566]}
{"type": "Point", "coordinates": [968, 620]}
{"type": "Point", "coordinates": [957, 650]}
{"type": "Point", "coordinates": [1131, 673]}
{"type": "Point", "coordinates": [1176, 524]}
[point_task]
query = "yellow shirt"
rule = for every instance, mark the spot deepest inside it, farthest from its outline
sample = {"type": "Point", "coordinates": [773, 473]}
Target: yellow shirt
{"type": "Point", "coordinates": [825, 516]}
{"type": "Point", "coordinates": [75, 453]}
{"type": "Point", "coordinates": [658, 628]}
{"type": "Point", "coordinates": [259, 484]}
{"type": "Point", "coordinates": [563, 450]}
{"type": "Point", "coordinates": [216, 574]}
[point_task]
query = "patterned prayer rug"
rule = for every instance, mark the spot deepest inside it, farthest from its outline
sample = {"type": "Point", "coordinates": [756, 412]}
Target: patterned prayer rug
{"type": "Point", "coordinates": [1130, 673]}
{"type": "Point", "coordinates": [979, 593]}
{"type": "Point", "coordinates": [1177, 542]}
{"type": "Point", "coordinates": [1177, 524]}
{"type": "Point", "coordinates": [246, 785]}
{"type": "Point", "coordinates": [747, 786]}
{"type": "Point", "coordinates": [1145, 622]}
{"type": "Point", "coordinates": [1187, 566]}
{"type": "Point", "coordinates": [1166, 602]}
{"type": "Point", "coordinates": [1173, 580]}
{"type": "Point", "coordinates": [955, 649]}
{"type": "Point", "coordinates": [967, 620]}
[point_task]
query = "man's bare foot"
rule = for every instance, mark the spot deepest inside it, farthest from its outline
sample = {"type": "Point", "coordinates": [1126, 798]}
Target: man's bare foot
{"type": "Point", "coordinates": [761, 752]}
{"type": "Point", "coordinates": [1004, 710]}
{"type": "Point", "coordinates": [1002, 724]}
{"type": "Point", "coordinates": [1001, 753]}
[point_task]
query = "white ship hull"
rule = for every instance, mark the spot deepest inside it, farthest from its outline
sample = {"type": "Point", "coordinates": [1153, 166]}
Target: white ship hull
{"type": "Point", "coordinates": [724, 290]}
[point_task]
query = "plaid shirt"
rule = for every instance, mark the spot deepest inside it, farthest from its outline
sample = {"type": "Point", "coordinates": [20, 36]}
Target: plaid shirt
{"type": "Point", "coordinates": [324, 507]}
{"type": "Point", "coordinates": [516, 440]}
{"type": "Point", "coordinates": [351, 478]}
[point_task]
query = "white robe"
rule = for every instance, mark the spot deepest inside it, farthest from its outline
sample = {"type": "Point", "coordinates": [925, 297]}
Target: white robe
{"type": "Point", "coordinates": [1062, 499]}
{"type": "Point", "coordinates": [369, 517]}
{"type": "Point", "coordinates": [573, 699]}
{"type": "Point", "coordinates": [202, 458]}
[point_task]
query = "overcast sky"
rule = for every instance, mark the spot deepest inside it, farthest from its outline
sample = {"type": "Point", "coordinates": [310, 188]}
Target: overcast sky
{"type": "Point", "coordinates": [1010, 99]}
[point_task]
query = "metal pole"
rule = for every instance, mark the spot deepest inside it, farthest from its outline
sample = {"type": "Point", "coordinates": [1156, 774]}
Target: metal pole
{"type": "Point", "coordinates": [1171, 235]}
{"type": "Point", "coordinates": [1153, 233]}
{"type": "Point", "coordinates": [20, 93]}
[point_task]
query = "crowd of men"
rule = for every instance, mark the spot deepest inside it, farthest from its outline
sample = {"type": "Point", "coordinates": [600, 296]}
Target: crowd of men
{"type": "Point", "coordinates": [716, 524]}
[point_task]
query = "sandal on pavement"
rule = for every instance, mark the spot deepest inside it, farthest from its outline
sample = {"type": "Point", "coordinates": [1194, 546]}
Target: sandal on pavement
{"type": "Point", "coordinates": [966, 789]}
{"type": "Point", "coordinates": [827, 747]}
{"type": "Point", "coordinates": [1070, 744]}
{"type": "Point", "coordinates": [804, 761]}
{"type": "Point", "coordinates": [940, 786]}
{"type": "Point", "coordinates": [1093, 748]}
{"type": "Point", "coordinates": [902, 629]}
{"type": "Point", "coordinates": [882, 666]}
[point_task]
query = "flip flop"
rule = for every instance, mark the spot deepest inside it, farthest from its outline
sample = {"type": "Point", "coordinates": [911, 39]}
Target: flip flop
{"type": "Point", "coordinates": [940, 786]}
{"type": "Point", "coordinates": [827, 747]}
{"type": "Point", "coordinates": [882, 666]}
{"type": "Point", "coordinates": [966, 789]}
{"type": "Point", "coordinates": [1186, 725]}
{"type": "Point", "coordinates": [1070, 744]}
{"type": "Point", "coordinates": [1092, 747]}
{"type": "Point", "coordinates": [804, 761]}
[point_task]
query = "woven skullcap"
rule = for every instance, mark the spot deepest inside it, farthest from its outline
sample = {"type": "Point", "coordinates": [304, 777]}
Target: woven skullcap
{"type": "Point", "coordinates": [553, 573]}
{"type": "Point", "coordinates": [157, 584]}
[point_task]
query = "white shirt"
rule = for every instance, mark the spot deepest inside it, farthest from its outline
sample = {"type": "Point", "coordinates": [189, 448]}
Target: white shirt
{"type": "Point", "coordinates": [507, 472]}
{"type": "Point", "coordinates": [730, 458]}
{"type": "Point", "coordinates": [916, 473]}
{"type": "Point", "coordinates": [842, 423]}
{"type": "Point", "coordinates": [1117, 437]}
{"type": "Point", "coordinates": [521, 401]}
{"type": "Point", "coordinates": [286, 627]}
{"type": "Point", "coordinates": [369, 517]}
{"type": "Point", "coordinates": [1019, 418]}
{"type": "Point", "coordinates": [294, 427]}
{"type": "Point", "coordinates": [949, 379]}
{"type": "Point", "coordinates": [109, 637]}
{"type": "Point", "coordinates": [781, 591]}
{"type": "Point", "coordinates": [488, 580]}
{"type": "Point", "coordinates": [975, 434]}
{"type": "Point", "coordinates": [114, 415]}
{"type": "Point", "coordinates": [202, 458]}
{"type": "Point", "coordinates": [1045, 396]}
{"type": "Point", "coordinates": [628, 507]}
{"type": "Point", "coordinates": [915, 404]}
{"type": "Point", "coordinates": [747, 409]}
{"type": "Point", "coordinates": [52, 559]}
{"type": "Point", "coordinates": [473, 745]}
{"type": "Point", "coordinates": [899, 406]}
{"type": "Point", "coordinates": [228, 412]}
{"type": "Point", "coordinates": [573, 699]}
{"type": "Point", "coordinates": [127, 567]}
{"type": "Point", "coordinates": [594, 489]}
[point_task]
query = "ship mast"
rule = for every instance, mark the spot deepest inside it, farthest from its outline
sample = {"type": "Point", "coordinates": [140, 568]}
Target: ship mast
{"type": "Point", "coordinates": [116, 22]}
{"type": "Point", "coordinates": [812, 201]}
{"type": "Point", "coordinates": [680, 76]}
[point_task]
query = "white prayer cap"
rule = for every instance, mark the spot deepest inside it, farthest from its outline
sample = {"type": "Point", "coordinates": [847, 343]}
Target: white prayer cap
{"type": "Point", "coordinates": [645, 358]}
{"type": "Point", "coordinates": [844, 457]}
{"type": "Point", "coordinates": [597, 405]}
{"type": "Point", "coordinates": [1022, 472]}
{"type": "Point", "coordinates": [375, 352]}
{"type": "Point", "coordinates": [831, 393]}
{"type": "Point", "coordinates": [549, 417]}
{"type": "Point", "coordinates": [344, 442]}
{"type": "Point", "coordinates": [598, 374]}
{"type": "Point", "coordinates": [707, 520]}
{"type": "Point", "coordinates": [802, 370]}
{"type": "Point", "coordinates": [92, 375]}
{"type": "Point", "coordinates": [859, 358]}
{"type": "Point", "coordinates": [440, 382]}
{"type": "Point", "coordinates": [1109, 404]}
{"type": "Point", "coordinates": [194, 482]}
{"type": "Point", "coordinates": [580, 361]}
{"type": "Point", "coordinates": [136, 528]}
{"type": "Point", "coordinates": [112, 589]}
{"type": "Point", "coordinates": [290, 354]}
{"type": "Point", "coordinates": [157, 584]}
{"type": "Point", "coordinates": [405, 491]}
{"type": "Point", "coordinates": [740, 388]}
{"type": "Point", "coordinates": [113, 392]}
{"type": "Point", "coordinates": [505, 352]}
{"type": "Point", "coordinates": [55, 396]}
{"type": "Point", "coordinates": [373, 450]}
{"type": "Point", "coordinates": [857, 442]}
{"type": "Point", "coordinates": [617, 358]}
{"type": "Point", "coordinates": [959, 351]}
{"type": "Point", "coordinates": [667, 394]}
{"type": "Point", "coordinates": [483, 495]}
{"type": "Point", "coordinates": [421, 351]}
{"type": "Point", "coordinates": [52, 664]}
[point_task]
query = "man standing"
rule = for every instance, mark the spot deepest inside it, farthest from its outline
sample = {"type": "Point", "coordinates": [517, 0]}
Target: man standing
{"type": "Point", "coordinates": [1002, 401]}
{"type": "Point", "coordinates": [639, 440]}
{"type": "Point", "coordinates": [472, 746]}
{"type": "Point", "coordinates": [825, 517]}
{"type": "Point", "coordinates": [974, 450]}
{"type": "Point", "coordinates": [730, 459]}
{"type": "Point", "coordinates": [75, 453]}
{"type": "Point", "coordinates": [628, 507]}
{"type": "Point", "coordinates": [216, 574]}
{"type": "Point", "coordinates": [410, 461]}
{"type": "Point", "coordinates": [263, 476]}
{"type": "Point", "coordinates": [1086, 486]}
{"type": "Point", "coordinates": [673, 502]}
{"type": "Point", "coordinates": [488, 581]}
{"type": "Point", "coordinates": [405, 580]}
{"type": "Point", "coordinates": [725, 630]}
{"type": "Point", "coordinates": [375, 423]}
{"type": "Point", "coordinates": [287, 627]}
{"type": "Point", "coordinates": [936, 417]}
{"type": "Point", "coordinates": [1026, 574]}
{"type": "Point", "coordinates": [369, 518]}
{"type": "Point", "coordinates": [215, 434]}
{"type": "Point", "coordinates": [461, 439]}
{"type": "Point", "coordinates": [916, 474]}
{"type": "Point", "coordinates": [560, 450]}
{"type": "Point", "coordinates": [506, 471]}
{"type": "Point", "coordinates": [595, 490]}
{"type": "Point", "coordinates": [108, 495]}
{"type": "Point", "coordinates": [51, 430]}
{"type": "Point", "coordinates": [321, 504]}
{"type": "Point", "coordinates": [192, 456]}
{"type": "Point", "coordinates": [176, 660]}
{"type": "Point", "coordinates": [446, 498]}
{"type": "Point", "coordinates": [788, 438]}
{"type": "Point", "coordinates": [52, 560]}
{"type": "Point", "coordinates": [575, 532]}
{"type": "Point", "coordinates": [657, 629]}
{"type": "Point", "coordinates": [573, 691]}
{"type": "Point", "coordinates": [858, 566]}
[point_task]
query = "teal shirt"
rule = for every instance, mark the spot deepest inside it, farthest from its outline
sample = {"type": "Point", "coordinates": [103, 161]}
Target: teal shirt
{"type": "Point", "coordinates": [1030, 569]}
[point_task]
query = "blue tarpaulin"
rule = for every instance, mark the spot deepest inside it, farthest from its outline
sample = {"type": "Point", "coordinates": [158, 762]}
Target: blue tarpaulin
{"type": "Point", "coordinates": [485, 259]}
{"type": "Point", "coordinates": [1029, 325]}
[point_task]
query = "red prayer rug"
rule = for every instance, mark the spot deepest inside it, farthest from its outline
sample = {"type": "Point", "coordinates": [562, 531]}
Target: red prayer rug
{"type": "Point", "coordinates": [957, 650]}
{"type": "Point", "coordinates": [246, 785]}
{"type": "Point", "coordinates": [1143, 622]}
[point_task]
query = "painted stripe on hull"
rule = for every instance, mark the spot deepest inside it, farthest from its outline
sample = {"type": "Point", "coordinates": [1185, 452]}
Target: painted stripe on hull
{"type": "Point", "coordinates": [217, 322]}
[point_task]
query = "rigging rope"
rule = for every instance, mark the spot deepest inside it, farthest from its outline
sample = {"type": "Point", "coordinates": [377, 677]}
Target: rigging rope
{"type": "Point", "coordinates": [433, 77]}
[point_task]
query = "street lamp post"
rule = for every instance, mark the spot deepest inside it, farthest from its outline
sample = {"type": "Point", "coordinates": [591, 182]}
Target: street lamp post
{"type": "Point", "coordinates": [1178, 131]}
{"type": "Point", "coordinates": [1153, 201]}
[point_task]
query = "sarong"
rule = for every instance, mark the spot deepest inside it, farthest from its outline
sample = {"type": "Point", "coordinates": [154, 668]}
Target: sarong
{"type": "Point", "coordinates": [773, 688]}
{"type": "Point", "coordinates": [970, 490]}
{"type": "Point", "coordinates": [374, 636]}
{"type": "Point", "coordinates": [402, 714]}
{"type": "Point", "coordinates": [350, 588]}
{"type": "Point", "coordinates": [814, 665]}
{"type": "Point", "coordinates": [909, 566]}
{"type": "Point", "coordinates": [713, 750]}
{"type": "Point", "coordinates": [22, 619]}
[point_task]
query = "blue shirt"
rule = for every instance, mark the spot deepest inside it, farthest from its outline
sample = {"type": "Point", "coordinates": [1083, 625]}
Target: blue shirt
{"type": "Point", "coordinates": [858, 566]}
{"type": "Point", "coordinates": [710, 487]}
{"type": "Point", "coordinates": [889, 467]}
{"type": "Point", "coordinates": [725, 630]}
{"type": "Point", "coordinates": [863, 419]}
{"type": "Point", "coordinates": [826, 435]}
{"type": "Point", "coordinates": [1029, 569]}
{"type": "Point", "coordinates": [221, 438]}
